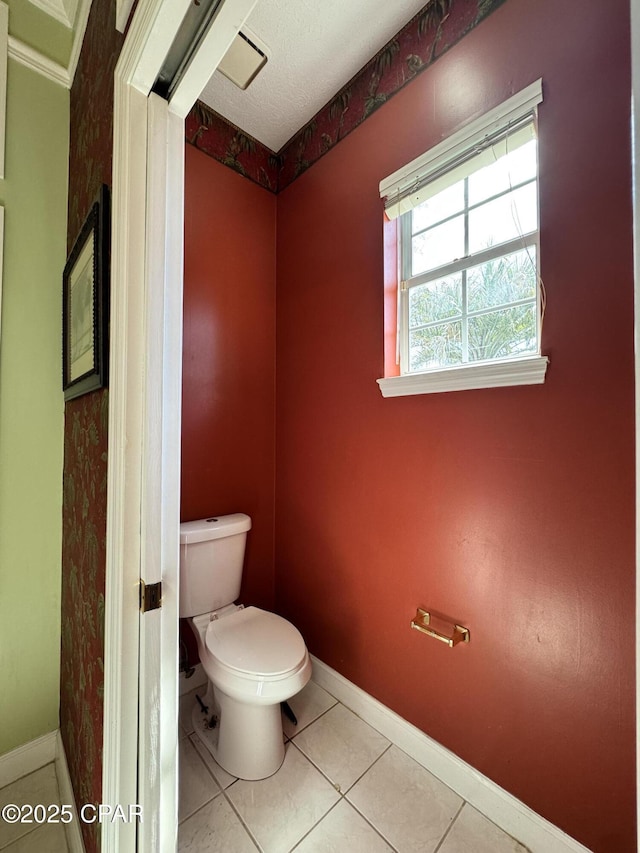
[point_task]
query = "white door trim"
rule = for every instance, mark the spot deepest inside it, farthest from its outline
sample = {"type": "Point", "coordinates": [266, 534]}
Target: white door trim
{"type": "Point", "coordinates": [160, 502]}
{"type": "Point", "coordinates": [120, 743]}
{"type": "Point", "coordinates": [143, 52]}
{"type": "Point", "coordinates": [144, 422]}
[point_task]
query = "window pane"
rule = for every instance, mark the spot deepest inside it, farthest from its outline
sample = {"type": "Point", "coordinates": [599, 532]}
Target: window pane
{"type": "Point", "coordinates": [435, 209]}
{"type": "Point", "coordinates": [508, 171]}
{"type": "Point", "coordinates": [437, 346]}
{"type": "Point", "coordinates": [507, 279]}
{"type": "Point", "coordinates": [505, 218]}
{"type": "Point", "coordinates": [436, 300]}
{"type": "Point", "coordinates": [438, 246]}
{"type": "Point", "coordinates": [499, 334]}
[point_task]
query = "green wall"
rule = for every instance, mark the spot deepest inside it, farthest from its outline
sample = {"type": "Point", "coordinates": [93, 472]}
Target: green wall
{"type": "Point", "coordinates": [34, 195]}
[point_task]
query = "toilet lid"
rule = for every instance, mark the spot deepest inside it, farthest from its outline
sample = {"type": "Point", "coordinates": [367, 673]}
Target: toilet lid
{"type": "Point", "coordinates": [256, 642]}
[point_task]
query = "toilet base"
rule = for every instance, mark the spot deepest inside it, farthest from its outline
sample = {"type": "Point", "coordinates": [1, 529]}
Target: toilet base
{"type": "Point", "coordinates": [246, 740]}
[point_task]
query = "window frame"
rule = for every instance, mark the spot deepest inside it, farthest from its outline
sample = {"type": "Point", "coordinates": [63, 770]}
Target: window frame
{"type": "Point", "coordinates": [397, 191]}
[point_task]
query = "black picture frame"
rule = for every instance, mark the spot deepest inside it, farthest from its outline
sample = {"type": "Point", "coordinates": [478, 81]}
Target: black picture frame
{"type": "Point", "coordinates": [85, 305]}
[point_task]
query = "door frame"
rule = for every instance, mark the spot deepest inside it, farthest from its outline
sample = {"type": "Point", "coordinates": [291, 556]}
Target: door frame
{"type": "Point", "coordinates": [143, 508]}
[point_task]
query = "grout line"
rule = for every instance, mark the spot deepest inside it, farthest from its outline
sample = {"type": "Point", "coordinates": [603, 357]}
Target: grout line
{"type": "Point", "coordinates": [356, 809]}
{"type": "Point", "coordinates": [221, 791]}
{"type": "Point", "coordinates": [408, 754]}
{"type": "Point", "coordinates": [315, 825]}
{"type": "Point", "coordinates": [317, 766]}
{"type": "Point", "coordinates": [206, 803]}
{"type": "Point", "coordinates": [366, 820]}
{"type": "Point", "coordinates": [450, 827]}
{"type": "Point", "coordinates": [376, 830]}
{"type": "Point", "coordinates": [35, 826]}
{"type": "Point", "coordinates": [194, 739]}
{"type": "Point", "coordinates": [199, 809]}
{"type": "Point", "coordinates": [350, 805]}
{"type": "Point", "coordinates": [230, 803]}
{"type": "Point", "coordinates": [333, 784]}
{"type": "Point", "coordinates": [191, 814]}
{"type": "Point", "coordinates": [15, 840]}
{"type": "Point", "coordinates": [342, 794]}
{"type": "Point", "coordinates": [202, 761]}
{"type": "Point", "coordinates": [386, 749]}
{"type": "Point", "coordinates": [28, 773]}
{"type": "Point", "coordinates": [246, 826]}
{"type": "Point", "coordinates": [315, 720]}
{"type": "Point", "coordinates": [239, 816]}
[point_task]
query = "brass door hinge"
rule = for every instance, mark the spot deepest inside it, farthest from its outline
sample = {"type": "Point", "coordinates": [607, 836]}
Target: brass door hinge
{"type": "Point", "coordinates": [150, 596]}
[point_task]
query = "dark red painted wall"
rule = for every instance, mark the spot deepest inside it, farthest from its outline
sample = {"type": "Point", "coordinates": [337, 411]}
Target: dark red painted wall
{"type": "Point", "coordinates": [509, 510]}
{"type": "Point", "coordinates": [228, 421]}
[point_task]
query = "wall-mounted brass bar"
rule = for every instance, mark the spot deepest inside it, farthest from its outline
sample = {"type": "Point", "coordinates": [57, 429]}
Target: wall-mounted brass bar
{"type": "Point", "coordinates": [422, 623]}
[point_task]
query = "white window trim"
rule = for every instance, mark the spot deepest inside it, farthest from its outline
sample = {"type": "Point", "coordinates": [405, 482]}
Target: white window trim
{"type": "Point", "coordinates": [521, 370]}
{"type": "Point", "coordinates": [529, 370]}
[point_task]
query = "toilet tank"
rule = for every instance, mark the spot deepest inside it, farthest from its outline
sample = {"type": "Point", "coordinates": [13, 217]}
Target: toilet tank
{"type": "Point", "coordinates": [211, 558]}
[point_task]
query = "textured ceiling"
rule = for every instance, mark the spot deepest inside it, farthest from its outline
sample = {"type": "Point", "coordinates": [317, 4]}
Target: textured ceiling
{"type": "Point", "coordinates": [314, 48]}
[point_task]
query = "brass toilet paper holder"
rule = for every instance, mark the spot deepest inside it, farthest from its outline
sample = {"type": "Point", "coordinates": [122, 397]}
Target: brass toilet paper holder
{"type": "Point", "coordinates": [422, 622]}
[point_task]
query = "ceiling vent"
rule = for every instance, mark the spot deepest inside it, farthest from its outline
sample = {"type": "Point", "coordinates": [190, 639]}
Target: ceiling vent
{"type": "Point", "coordinates": [244, 59]}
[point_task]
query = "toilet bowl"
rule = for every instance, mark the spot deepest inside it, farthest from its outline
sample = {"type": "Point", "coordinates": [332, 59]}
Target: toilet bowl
{"type": "Point", "coordinates": [253, 659]}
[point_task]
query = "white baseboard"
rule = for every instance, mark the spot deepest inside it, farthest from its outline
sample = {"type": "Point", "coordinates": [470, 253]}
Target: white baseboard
{"type": "Point", "coordinates": [27, 758]}
{"type": "Point", "coordinates": [32, 756]}
{"type": "Point", "coordinates": [72, 829]}
{"type": "Point", "coordinates": [507, 812]}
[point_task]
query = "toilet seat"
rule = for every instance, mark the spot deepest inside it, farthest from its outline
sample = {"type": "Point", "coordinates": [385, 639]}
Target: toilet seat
{"type": "Point", "coordinates": [259, 644]}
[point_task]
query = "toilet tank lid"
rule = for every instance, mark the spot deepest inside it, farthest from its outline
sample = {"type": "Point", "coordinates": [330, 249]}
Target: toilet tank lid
{"type": "Point", "coordinates": [214, 527]}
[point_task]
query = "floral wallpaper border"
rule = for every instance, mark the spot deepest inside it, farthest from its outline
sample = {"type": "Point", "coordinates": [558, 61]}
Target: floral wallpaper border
{"type": "Point", "coordinates": [429, 34]}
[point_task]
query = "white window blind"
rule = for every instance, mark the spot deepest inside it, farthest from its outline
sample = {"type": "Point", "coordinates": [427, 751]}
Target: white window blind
{"type": "Point", "coordinates": [498, 132]}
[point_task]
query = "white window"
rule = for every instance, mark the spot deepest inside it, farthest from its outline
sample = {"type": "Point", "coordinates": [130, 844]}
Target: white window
{"type": "Point", "coordinates": [469, 296]}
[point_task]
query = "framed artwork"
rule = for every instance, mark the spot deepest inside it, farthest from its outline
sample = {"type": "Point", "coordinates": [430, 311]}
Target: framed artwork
{"type": "Point", "coordinates": [85, 305]}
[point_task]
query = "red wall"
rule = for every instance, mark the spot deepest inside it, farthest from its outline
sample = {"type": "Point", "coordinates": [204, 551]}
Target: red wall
{"type": "Point", "coordinates": [509, 510]}
{"type": "Point", "coordinates": [228, 420]}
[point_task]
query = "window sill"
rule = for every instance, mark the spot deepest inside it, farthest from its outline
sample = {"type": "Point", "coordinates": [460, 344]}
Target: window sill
{"type": "Point", "coordinates": [495, 374]}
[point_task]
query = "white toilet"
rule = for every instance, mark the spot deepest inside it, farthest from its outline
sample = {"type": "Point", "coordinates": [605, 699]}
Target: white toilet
{"type": "Point", "coordinates": [254, 660]}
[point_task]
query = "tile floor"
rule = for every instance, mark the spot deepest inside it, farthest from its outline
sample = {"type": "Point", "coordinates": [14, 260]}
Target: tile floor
{"type": "Point", "coordinates": [343, 787]}
{"type": "Point", "coordinates": [38, 787]}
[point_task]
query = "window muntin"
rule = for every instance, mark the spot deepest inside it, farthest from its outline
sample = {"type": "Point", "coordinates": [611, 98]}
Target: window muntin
{"type": "Point", "coordinates": [468, 255]}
